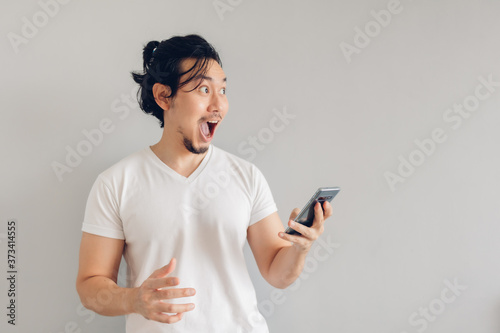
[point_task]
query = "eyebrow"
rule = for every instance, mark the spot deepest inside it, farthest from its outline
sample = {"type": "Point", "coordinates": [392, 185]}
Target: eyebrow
{"type": "Point", "coordinates": [208, 78]}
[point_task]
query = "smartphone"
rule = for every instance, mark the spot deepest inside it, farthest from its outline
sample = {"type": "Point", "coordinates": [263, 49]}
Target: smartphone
{"type": "Point", "coordinates": [306, 215]}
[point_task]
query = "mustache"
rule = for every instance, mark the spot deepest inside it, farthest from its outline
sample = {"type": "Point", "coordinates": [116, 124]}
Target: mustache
{"type": "Point", "coordinates": [216, 117]}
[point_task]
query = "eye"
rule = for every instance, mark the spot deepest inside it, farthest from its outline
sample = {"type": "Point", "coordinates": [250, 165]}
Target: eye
{"type": "Point", "coordinates": [223, 91]}
{"type": "Point", "coordinates": [204, 89]}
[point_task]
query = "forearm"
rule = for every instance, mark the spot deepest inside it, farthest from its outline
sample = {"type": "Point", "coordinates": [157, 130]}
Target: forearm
{"type": "Point", "coordinates": [286, 266]}
{"type": "Point", "coordinates": [103, 296]}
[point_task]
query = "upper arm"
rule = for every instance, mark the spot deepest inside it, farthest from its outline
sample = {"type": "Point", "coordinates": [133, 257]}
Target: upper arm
{"type": "Point", "coordinates": [99, 256]}
{"type": "Point", "coordinates": [264, 241]}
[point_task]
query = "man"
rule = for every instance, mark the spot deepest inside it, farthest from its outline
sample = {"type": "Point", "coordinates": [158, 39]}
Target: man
{"type": "Point", "coordinates": [181, 210]}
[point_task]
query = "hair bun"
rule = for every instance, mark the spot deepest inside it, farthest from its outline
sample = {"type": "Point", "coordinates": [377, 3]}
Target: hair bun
{"type": "Point", "coordinates": [147, 53]}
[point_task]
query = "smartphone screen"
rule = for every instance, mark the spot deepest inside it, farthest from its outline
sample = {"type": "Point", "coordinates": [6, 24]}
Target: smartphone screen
{"type": "Point", "coordinates": [306, 215]}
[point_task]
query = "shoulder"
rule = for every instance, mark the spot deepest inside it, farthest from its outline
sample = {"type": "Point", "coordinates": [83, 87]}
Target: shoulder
{"type": "Point", "coordinates": [229, 159]}
{"type": "Point", "coordinates": [125, 167]}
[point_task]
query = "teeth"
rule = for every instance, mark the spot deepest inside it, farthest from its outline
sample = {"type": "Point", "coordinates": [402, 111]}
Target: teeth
{"type": "Point", "coordinates": [213, 121]}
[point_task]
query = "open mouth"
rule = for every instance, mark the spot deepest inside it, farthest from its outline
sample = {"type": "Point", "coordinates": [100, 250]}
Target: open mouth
{"type": "Point", "coordinates": [208, 128]}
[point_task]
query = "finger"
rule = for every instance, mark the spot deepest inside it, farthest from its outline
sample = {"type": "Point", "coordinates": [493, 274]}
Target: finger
{"type": "Point", "coordinates": [161, 282]}
{"type": "Point", "coordinates": [294, 239]}
{"type": "Point", "coordinates": [318, 216]}
{"type": "Point", "coordinates": [166, 318]}
{"type": "Point", "coordinates": [294, 213]}
{"type": "Point", "coordinates": [174, 308]}
{"type": "Point", "coordinates": [172, 293]}
{"type": "Point", "coordinates": [328, 209]}
{"type": "Point", "coordinates": [310, 233]}
{"type": "Point", "coordinates": [305, 231]}
{"type": "Point", "coordinates": [165, 270]}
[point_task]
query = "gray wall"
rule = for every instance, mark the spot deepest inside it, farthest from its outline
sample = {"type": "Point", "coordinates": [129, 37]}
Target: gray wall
{"type": "Point", "coordinates": [396, 111]}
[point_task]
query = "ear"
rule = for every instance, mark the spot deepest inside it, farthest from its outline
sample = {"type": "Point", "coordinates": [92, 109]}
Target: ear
{"type": "Point", "coordinates": [160, 93]}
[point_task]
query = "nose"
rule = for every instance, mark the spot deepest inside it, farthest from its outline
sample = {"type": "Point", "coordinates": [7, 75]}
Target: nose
{"type": "Point", "coordinates": [218, 103]}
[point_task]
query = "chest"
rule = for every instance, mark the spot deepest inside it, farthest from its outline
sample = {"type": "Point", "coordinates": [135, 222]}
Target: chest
{"type": "Point", "coordinates": [158, 212]}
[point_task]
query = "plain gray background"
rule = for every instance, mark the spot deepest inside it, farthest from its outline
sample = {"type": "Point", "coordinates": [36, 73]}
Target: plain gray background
{"type": "Point", "coordinates": [356, 119]}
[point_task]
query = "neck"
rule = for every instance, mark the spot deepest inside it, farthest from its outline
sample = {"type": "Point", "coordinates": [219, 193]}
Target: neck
{"type": "Point", "coordinates": [171, 151]}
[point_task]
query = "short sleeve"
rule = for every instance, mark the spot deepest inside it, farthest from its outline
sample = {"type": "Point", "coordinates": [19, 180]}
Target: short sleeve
{"type": "Point", "coordinates": [263, 203]}
{"type": "Point", "coordinates": [102, 212]}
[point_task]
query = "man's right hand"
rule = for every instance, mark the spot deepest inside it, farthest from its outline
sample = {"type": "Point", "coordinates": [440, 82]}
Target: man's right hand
{"type": "Point", "coordinates": [151, 295]}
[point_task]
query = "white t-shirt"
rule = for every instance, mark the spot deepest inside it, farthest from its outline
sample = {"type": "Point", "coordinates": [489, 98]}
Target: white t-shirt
{"type": "Point", "coordinates": [200, 220]}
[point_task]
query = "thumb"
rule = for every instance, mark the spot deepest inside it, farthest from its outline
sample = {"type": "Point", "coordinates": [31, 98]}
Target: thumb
{"type": "Point", "coordinates": [294, 213]}
{"type": "Point", "coordinates": [165, 270]}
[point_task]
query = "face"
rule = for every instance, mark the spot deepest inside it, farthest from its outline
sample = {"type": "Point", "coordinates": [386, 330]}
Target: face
{"type": "Point", "coordinates": [196, 114]}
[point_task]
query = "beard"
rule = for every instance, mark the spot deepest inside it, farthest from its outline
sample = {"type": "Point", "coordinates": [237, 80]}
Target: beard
{"type": "Point", "coordinates": [189, 146]}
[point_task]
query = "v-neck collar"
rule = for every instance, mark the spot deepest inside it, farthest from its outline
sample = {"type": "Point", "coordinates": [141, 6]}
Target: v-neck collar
{"type": "Point", "coordinates": [174, 173]}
